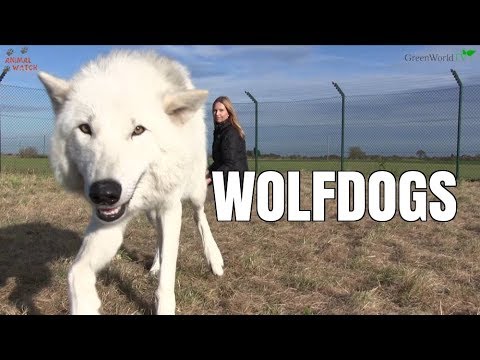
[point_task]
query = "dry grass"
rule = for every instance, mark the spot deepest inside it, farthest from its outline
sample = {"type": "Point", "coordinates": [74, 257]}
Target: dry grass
{"type": "Point", "coordinates": [327, 267]}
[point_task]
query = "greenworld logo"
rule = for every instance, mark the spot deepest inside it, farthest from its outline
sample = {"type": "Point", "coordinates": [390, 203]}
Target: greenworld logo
{"type": "Point", "coordinates": [468, 52]}
{"type": "Point", "coordinates": [464, 55]}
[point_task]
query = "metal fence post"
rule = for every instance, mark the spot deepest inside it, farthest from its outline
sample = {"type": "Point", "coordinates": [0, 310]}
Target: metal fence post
{"type": "Point", "coordinates": [2, 75]}
{"type": "Point", "coordinates": [0, 128]}
{"type": "Point", "coordinates": [343, 123]}
{"type": "Point", "coordinates": [460, 85]}
{"type": "Point", "coordinates": [256, 130]}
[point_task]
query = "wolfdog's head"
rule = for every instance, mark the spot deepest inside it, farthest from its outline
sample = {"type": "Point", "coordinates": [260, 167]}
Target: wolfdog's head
{"type": "Point", "coordinates": [114, 119]}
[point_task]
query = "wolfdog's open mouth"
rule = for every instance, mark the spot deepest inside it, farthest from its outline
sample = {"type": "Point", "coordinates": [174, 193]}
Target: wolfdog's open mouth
{"type": "Point", "coordinates": [111, 214]}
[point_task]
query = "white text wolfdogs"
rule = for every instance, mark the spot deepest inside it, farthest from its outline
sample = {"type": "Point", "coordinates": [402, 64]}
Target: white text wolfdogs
{"type": "Point", "coordinates": [130, 136]}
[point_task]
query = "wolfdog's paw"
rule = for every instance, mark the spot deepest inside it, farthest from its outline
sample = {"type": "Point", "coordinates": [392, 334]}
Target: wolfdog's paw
{"type": "Point", "coordinates": [217, 269]}
{"type": "Point", "coordinates": [86, 312]}
{"type": "Point", "coordinates": [155, 270]}
{"type": "Point", "coordinates": [215, 260]}
{"type": "Point", "coordinates": [87, 308]}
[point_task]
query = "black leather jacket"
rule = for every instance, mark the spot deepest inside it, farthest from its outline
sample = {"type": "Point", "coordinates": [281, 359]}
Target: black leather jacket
{"type": "Point", "coordinates": [228, 151]}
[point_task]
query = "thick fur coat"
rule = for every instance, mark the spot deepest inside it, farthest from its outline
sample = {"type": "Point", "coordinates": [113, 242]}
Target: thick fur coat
{"type": "Point", "coordinates": [130, 136]}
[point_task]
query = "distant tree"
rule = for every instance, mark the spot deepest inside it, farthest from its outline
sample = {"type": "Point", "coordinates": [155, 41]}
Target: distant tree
{"type": "Point", "coordinates": [421, 154]}
{"type": "Point", "coordinates": [28, 152]}
{"type": "Point", "coordinates": [355, 152]}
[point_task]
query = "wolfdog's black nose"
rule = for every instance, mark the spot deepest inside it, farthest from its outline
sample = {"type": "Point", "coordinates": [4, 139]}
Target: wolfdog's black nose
{"type": "Point", "coordinates": [105, 192]}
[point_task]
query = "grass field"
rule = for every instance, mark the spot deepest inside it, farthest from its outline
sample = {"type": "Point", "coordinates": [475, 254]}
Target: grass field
{"type": "Point", "coordinates": [282, 267]}
{"type": "Point", "coordinates": [25, 165]}
{"type": "Point", "coordinates": [469, 170]}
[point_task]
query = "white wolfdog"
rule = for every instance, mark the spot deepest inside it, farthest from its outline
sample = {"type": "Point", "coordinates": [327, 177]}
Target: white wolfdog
{"type": "Point", "coordinates": [130, 136]}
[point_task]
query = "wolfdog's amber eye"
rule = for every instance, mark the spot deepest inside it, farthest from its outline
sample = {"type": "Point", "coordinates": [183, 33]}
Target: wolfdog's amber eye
{"type": "Point", "coordinates": [138, 130]}
{"type": "Point", "coordinates": [85, 128]}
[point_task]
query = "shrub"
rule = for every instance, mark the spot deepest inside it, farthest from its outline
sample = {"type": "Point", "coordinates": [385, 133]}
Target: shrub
{"type": "Point", "coordinates": [28, 152]}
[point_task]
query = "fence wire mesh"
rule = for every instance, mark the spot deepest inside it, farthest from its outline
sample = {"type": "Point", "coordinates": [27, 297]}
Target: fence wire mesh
{"type": "Point", "coordinates": [402, 131]}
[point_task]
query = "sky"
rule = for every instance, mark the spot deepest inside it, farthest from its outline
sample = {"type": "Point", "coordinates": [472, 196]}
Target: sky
{"type": "Point", "coordinates": [277, 72]}
{"type": "Point", "coordinates": [280, 77]}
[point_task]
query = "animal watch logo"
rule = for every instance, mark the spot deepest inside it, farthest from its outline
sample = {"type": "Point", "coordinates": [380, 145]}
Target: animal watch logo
{"type": "Point", "coordinates": [19, 63]}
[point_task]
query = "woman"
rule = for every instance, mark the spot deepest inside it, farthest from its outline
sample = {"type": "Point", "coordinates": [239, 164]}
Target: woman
{"type": "Point", "coordinates": [229, 150]}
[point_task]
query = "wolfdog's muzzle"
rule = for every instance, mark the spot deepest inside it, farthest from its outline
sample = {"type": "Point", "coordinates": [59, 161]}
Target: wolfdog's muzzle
{"type": "Point", "coordinates": [105, 193]}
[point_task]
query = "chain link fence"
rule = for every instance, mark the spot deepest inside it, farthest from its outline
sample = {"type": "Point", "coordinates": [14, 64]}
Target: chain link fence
{"type": "Point", "coordinates": [26, 124]}
{"type": "Point", "coordinates": [414, 130]}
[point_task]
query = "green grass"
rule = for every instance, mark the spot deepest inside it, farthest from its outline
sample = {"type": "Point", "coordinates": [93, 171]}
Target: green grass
{"type": "Point", "coordinates": [469, 170]}
{"type": "Point", "coordinates": [25, 165]}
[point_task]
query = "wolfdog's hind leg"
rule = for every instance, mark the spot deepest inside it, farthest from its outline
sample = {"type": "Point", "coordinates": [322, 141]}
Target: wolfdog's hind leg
{"type": "Point", "coordinates": [210, 248]}
{"type": "Point", "coordinates": [99, 246]}
{"type": "Point", "coordinates": [156, 222]}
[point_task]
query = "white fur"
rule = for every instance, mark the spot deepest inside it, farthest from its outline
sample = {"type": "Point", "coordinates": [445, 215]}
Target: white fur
{"type": "Point", "coordinates": [157, 170]}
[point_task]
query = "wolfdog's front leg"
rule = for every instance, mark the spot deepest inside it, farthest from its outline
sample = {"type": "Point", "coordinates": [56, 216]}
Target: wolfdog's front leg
{"type": "Point", "coordinates": [100, 244]}
{"type": "Point", "coordinates": [156, 221]}
{"type": "Point", "coordinates": [171, 220]}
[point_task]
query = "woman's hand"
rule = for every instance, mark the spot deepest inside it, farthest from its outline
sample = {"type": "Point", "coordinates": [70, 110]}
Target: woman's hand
{"type": "Point", "coordinates": [208, 179]}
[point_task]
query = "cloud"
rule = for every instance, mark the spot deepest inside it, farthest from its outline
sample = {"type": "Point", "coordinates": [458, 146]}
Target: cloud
{"type": "Point", "coordinates": [292, 73]}
{"type": "Point", "coordinates": [282, 73]}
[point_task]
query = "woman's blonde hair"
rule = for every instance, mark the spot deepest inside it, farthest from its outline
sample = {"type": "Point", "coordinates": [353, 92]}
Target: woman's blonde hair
{"type": "Point", "coordinates": [231, 112]}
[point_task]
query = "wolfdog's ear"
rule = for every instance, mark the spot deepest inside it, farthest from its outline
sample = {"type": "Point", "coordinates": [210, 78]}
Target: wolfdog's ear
{"type": "Point", "coordinates": [57, 89]}
{"type": "Point", "coordinates": [180, 106]}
